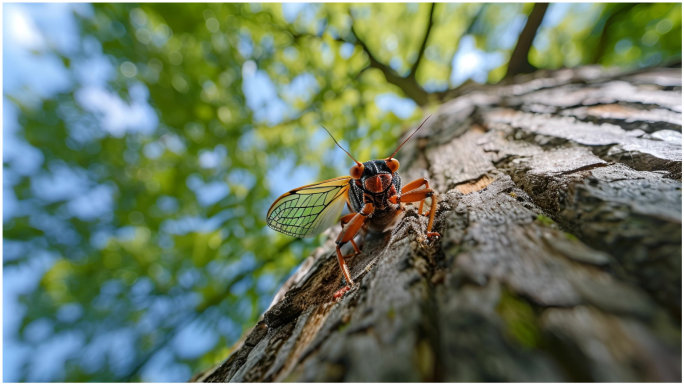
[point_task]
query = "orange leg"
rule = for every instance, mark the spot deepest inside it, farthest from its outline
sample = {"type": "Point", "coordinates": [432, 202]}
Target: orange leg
{"type": "Point", "coordinates": [415, 184]}
{"type": "Point", "coordinates": [354, 224]}
{"type": "Point", "coordinates": [344, 220]}
{"type": "Point", "coordinates": [411, 193]}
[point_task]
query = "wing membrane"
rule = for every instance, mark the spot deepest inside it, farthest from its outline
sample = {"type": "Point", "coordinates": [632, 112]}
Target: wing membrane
{"type": "Point", "coordinates": [309, 210]}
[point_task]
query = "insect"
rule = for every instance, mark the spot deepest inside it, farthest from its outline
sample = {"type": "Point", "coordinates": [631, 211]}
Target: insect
{"type": "Point", "coordinates": [373, 194]}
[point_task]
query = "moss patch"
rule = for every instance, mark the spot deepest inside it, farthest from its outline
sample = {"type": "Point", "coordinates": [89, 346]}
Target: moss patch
{"type": "Point", "coordinates": [545, 221]}
{"type": "Point", "coordinates": [520, 320]}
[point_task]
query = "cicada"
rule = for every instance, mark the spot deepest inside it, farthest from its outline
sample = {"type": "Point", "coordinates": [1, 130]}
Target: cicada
{"type": "Point", "coordinates": [373, 193]}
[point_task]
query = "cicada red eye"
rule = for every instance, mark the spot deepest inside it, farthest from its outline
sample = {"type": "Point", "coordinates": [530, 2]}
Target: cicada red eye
{"type": "Point", "coordinates": [356, 171]}
{"type": "Point", "coordinates": [392, 164]}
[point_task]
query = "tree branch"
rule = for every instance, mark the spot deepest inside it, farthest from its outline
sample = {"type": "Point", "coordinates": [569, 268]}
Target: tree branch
{"type": "Point", "coordinates": [519, 62]}
{"type": "Point", "coordinates": [407, 84]}
{"type": "Point", "coordinates": [468, 31]}
{"type": "Point", "coordinates": [618, 11]}
{"type": "Point", "coordinates": [423, 45]}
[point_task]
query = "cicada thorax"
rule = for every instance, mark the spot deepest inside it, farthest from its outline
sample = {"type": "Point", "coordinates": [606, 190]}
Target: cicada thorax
{"type": "Point", "coordinates": [376, 185]}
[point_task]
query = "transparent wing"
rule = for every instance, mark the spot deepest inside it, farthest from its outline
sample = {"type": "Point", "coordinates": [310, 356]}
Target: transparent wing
{"type": "Point", "coordinates": [309, 210]}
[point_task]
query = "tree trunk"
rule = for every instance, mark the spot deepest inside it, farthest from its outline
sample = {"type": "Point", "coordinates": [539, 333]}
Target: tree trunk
{"type": "Point", "coordinates": [559, 260]}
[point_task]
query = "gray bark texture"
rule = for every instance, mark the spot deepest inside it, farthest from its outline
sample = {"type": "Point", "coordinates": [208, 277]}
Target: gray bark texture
{"type": "Point", "coordinates": [559, 260]}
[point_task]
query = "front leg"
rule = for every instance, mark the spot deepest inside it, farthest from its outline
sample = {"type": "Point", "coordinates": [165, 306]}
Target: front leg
{"type": "Point", "coordinates": [348, 232]}
{"type": "Point", "coordinates": [415, 184]}
{"type": "Point", "coordinates": [410, 193]}
{"type": "Point", "coordinates": [344, 220]}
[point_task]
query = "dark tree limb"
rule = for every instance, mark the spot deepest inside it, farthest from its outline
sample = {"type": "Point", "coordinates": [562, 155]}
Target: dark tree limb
{"type": "Point", "coordinates": [519, 62]}
{"type": "Point", "coordinates": [618, 11]}
{"type": "Point", "coordinates": [423, 45]}
{"type": "Point", "coordinates": [468, 31]}
{"type": "Point", "coordinates": [407, 84]}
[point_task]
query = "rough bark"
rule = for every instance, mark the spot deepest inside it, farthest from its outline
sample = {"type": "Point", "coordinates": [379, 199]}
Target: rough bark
{"type": "Point", "coordinates": [560, 255]}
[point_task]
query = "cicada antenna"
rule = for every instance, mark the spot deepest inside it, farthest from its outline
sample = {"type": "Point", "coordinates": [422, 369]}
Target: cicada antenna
{"type": "Point", "coordinates": [338, 144]}
{"type": "Point", "coordinates": [408, 138]}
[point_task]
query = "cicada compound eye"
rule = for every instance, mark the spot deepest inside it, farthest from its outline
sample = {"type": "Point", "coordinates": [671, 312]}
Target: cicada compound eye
{"type": "Point", "coordinates": [356, 171]}
{"type": "Point", "coordinates": [393, 164]}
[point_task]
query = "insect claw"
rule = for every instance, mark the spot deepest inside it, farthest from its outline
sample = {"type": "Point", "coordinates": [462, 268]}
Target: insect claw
{"type": "Point", "coordinates": [341, 292]}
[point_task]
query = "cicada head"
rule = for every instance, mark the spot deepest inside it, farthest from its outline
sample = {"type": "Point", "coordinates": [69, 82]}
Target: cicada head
{"type": "Point", "coordinates": [377, 176]}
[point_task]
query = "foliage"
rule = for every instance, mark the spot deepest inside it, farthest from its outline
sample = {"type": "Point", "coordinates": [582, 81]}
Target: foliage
{"type": "Point", "coordinates": [151, 232]}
